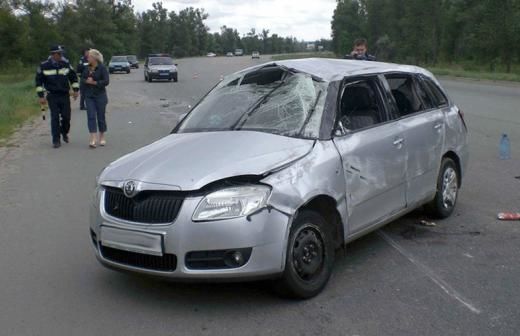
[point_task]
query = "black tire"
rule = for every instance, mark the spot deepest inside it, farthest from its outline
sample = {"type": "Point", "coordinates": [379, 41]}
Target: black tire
{"type": "Point", "coordinates": [310, 257]}
{"type": "Point", "coordinates": [448, 183]}
{"type": "Point", "coordinates": [149, 79]}
{"type": "Point", "coordinates": [128, 71]}
{"type": "Point", "coordinates": [175, 78]}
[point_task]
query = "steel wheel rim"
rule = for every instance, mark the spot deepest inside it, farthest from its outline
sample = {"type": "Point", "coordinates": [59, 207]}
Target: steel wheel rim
{"type": "Point", "coordinates": [450, 188]}
{"type": "Point", "coordinates": [308, 253]}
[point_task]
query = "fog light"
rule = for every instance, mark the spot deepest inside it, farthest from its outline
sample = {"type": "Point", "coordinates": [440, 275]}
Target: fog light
{"type": "Point", "coordinates": [234, 259]}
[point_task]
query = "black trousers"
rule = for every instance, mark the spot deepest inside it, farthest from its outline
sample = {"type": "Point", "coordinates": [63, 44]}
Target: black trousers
{"type": "Point", "coordinates": [59, 106]}
{"type": "Point", "coordinates": [82, 96]}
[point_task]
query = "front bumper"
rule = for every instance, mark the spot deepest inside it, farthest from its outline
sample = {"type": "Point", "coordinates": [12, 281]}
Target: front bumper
{"type": "Point", "coordinates": [165, 75]}
{"type": "Point", "coordinates": [264, 234]}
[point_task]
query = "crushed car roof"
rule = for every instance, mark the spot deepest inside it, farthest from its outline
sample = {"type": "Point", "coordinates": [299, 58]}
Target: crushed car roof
{"type": "Point", "coordinates": [335, 69]}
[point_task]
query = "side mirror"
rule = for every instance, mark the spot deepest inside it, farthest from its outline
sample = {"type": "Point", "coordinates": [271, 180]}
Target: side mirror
{"type": "Point", "coordinates": [176, 64]}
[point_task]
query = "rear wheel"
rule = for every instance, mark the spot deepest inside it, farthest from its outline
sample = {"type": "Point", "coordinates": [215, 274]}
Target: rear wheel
{"type": "Point", "coordinates": [445, 199]}
{"type": "Point", "coordinates": [309, 259]}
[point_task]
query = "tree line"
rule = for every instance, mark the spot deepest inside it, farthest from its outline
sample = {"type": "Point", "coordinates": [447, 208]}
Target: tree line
{"type": "Point", "coordinates": [480, 32]}
{"type": "Point", "coordinates": [29, 27]}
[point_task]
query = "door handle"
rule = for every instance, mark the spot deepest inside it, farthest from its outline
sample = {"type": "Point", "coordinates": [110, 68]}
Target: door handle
{"type": "Point", "coordinates": [398, 142]}
{"type": "Point", "coordinates": [437, 126]}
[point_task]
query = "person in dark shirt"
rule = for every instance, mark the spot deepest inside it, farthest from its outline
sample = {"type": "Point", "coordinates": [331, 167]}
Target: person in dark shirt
{"type": "Point", "coordinates": [82, 64]}
{"type": "Point", "coordinates": [95, 79]}
{"type": "Point", "coordinates": [56, 76]}
{"type": "Point", "coordinates": [360, 51]}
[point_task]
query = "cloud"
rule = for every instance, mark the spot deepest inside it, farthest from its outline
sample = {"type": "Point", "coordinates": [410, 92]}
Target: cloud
{"type": "Point", "coordinates": [303, 19]}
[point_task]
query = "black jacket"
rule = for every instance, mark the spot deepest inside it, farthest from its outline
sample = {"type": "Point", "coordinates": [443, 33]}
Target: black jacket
{"type": "Point", "coordinates": [365, 57]}
{"type": "Point", "coordinates": [55, 77]}
{"type": "Point", "coordinates": [100, 75]}
{"type": "Point", "coordinates": [83, 63]}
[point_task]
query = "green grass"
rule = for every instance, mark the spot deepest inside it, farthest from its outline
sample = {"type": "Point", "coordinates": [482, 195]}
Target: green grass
{"type": "Point", "coordinates": [474, 74]}
{"type": "Point", "coordinates": [18, 102]}
{"type": "Point", "coordinates": [323, 54]}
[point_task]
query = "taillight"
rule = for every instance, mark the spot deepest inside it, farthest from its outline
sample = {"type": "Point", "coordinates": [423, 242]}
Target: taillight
{"type": "Point", "coordinates": [461, 115]}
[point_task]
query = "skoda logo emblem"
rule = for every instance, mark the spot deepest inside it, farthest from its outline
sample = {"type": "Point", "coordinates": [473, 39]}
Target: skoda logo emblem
{"type": "Point", "coordinates": [129, 189]}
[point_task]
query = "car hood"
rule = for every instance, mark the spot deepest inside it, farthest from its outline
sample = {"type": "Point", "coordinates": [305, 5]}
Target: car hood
{"type": "Point", "coordinates": [189, 161]}
{"type": "Point", "coordinates": [163, 67]}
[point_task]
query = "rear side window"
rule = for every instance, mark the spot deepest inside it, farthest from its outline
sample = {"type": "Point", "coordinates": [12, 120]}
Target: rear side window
{"type": "Point", "coordinates": [438, 96]}
{"type": "Point", "coordinates": [424, 94]}
{"type": "Point", "coordinates": [361, 106]}
{"type": "Point", "coordinates": [408, 97]}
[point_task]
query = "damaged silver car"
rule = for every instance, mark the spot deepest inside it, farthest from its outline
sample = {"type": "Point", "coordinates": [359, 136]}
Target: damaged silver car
{"type": "Point", "coordinates": [279, 166]}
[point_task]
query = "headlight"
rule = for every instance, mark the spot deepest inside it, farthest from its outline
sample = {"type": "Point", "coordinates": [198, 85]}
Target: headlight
{"type": "Point", "coordinates": [231, 203]}
{"type": "Point", "coordinates": [154, 70]}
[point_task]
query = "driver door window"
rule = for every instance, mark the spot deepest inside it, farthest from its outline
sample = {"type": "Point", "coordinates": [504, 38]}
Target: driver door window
{"type": "Point", "coordinates": [360, 106]}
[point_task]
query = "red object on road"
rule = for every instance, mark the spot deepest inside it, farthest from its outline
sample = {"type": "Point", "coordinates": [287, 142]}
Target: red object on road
{"type": "Point", "coordinates": [509, 216]}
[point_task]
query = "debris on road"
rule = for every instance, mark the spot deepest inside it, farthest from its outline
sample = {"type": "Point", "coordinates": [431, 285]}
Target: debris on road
{"type": "Point", "coordinates": [509, 216]}
{"type": "Point", "coordinates": [424, 222]}
{"type": "Point", "coordinates": [505, 148]}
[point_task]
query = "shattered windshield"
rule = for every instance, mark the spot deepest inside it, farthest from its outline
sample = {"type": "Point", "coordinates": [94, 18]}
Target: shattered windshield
{"type": "Point", "coordinates": [270, 99]}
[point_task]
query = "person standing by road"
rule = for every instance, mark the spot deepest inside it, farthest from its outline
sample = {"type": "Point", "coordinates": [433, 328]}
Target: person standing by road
{"type": "Point", "coordinates": [56, 76]}
{"type": "Point", "coordinates": [95, 79]}
{"type": "Point", "coordinates": [83, 63]}
{"type": "Point", "coordinates": [360, 51]}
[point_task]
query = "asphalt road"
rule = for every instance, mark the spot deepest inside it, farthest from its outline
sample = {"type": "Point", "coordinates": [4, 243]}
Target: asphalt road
{"type": "Point", "coordinates": [460, 277]}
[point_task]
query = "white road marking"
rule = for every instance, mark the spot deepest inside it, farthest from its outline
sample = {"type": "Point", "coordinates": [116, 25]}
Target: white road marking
{"type": "Point", "coordinates": [430, 273]}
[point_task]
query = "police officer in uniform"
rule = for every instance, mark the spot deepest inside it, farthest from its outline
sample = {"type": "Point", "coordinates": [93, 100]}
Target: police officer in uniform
{"type": "Point", "coordinates": [82, 65]}
{"type": "Point", "coordinates": [56, 76]}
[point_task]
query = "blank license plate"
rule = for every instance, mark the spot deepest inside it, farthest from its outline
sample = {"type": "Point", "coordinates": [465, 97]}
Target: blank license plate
{"type": "Point", "coordinates": [133, 241]}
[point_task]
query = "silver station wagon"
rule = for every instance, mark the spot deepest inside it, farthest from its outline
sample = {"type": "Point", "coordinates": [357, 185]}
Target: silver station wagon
{"type": "Point", "coordinates": [277, 167]}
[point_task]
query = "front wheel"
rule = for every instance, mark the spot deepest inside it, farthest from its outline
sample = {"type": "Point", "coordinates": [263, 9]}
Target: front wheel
{"type": "Point", "coordinates": [309, 259]}
{"type": "Point", "coordinates": [175, 78]}
{"type": "Point", "coordinates": [445, 199]}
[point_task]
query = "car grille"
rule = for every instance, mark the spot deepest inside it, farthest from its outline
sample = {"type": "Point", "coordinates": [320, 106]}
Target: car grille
{"type": "Point", "coordinates": [151, 207]}
{"type": "Point", "coordinates": [166, 263]}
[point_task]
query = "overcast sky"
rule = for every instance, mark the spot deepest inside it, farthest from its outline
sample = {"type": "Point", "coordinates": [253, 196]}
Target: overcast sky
{"type": "Point", "coordinates": [303, 19]}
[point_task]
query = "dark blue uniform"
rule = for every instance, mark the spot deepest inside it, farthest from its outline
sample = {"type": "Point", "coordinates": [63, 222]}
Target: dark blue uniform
{"type": "Point", "coordinates": [82, 65]}
{"type": "Point", "coordinates": [364, 57]}
{"type": "Point", "coordinates": [57, 77]}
